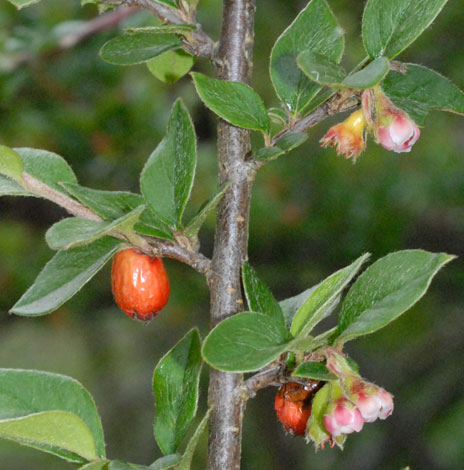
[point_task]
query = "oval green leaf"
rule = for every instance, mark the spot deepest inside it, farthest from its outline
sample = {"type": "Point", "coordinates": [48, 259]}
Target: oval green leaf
{"type": "Point", "coordinates": [186, 460]}
{"type": "Point", "coordinates": [9, 187]}
{"type": "Point", "coordinates": [209, 206]}
{"type": "Point", "coordinates": [234, 102]}
{"type": "Point", "coordinates": [11, 164]}
{"type": "Point", "coordinates": [259, 296]}
{"type": "Point", "coordinates": [320, 301]}
{"type": "Point", "coordinates": [369, 76]}
{"type": "Point", "coordinates": [112, 205]}
{"type": "Point", "coordinates": [58, 432]}
{"type": "Point", "coordinates": [321, 69]}
{"type": "Point", "coordinates": [63, 276]}
{"type": "Point", "coordinates": [135, 48]}
{"type": "Point", "coordinates": [314, 370]}
{"type": "Point", "coordinates": [47, 167]}
{"type": "Point", "coordinates": [391, 26]}
{"type": "Point", "coordinates": [245, 342]}
{"type": "Point", "coordinates": [175, 385]}
{"type": "Point", "coordinates": [421, 90]}
{"type": "Point", "coordinates": [171, 65]}
{"type": "Point", "coordinates": [167, 178]}
{"type": "Point", "coordinates": [387, 289]}
{"type": "Point", "coordinates": [28, 392]}
{"type": "Point", "coordinates": [314, 29]}
{"type": "Point", "coordinates": [74, 231]}
{"type": "Point", "coordinates": [166, 462]}
{"type": "Point", "coordinates": [100, 465]}
{"type": "Point", "coordinates": [285, 144]}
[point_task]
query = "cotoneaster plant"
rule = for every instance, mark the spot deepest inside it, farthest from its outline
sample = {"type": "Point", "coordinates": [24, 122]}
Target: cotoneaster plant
{"type": "Point", "coordinates": [321, 392]}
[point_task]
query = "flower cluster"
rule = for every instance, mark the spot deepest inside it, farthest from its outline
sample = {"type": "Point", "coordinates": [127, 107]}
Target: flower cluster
{"type": "Point", "coordinates": [344, 416]}
{"type": "Point", "coordinates": [345, 403]}
{"type": "Point", "coordinates": [392, 128]}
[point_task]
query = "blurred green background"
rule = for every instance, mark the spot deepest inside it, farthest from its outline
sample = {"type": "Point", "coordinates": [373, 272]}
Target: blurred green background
{"type": "Point", "coordinates": [312, 213]}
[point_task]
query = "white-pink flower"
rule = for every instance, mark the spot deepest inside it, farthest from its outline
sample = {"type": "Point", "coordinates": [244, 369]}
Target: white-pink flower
{"type": "Point", "coordinates": [400, 135]}
{"type": "Point", "coordinates": [386, 400]}
{"type": "Point", "coordinates": [343, 418]}
{"type": "Point", "coordinates": [374, 404]}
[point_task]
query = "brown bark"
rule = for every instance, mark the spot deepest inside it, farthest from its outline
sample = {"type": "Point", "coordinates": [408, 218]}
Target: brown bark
{"type": "Point", "coordinates": [233, 62]}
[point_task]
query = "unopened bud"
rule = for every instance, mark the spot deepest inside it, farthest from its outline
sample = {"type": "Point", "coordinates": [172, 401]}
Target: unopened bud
{"type": "Point", "coordinates": [342, 417]}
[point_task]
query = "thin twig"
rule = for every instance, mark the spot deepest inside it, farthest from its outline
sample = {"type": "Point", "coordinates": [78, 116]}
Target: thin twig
{"type": "Point", "coordinates": [262, 379]}
{"type": "Point", "coordinates": [200, 44]}
{"type": "Point", "coordinates": [75, 208]}
{"type": "Point", "coordinates": [100, 23]}
{"type": "Point", "coordinates": [155, 246]}
{"type": "Point", "coordinates": [103, 22]}
{"type": "Point", "coordinates": [337, 104]}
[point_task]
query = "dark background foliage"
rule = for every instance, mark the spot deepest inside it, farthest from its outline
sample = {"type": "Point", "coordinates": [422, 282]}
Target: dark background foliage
{"type": "Point", "coordinates": [312, 213]}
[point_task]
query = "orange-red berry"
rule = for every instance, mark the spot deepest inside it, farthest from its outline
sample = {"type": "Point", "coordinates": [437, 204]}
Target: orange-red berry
{"type": "Point", "coordinates": [293, 405]}
{"type": "Point", "coordinates": [140, 284]}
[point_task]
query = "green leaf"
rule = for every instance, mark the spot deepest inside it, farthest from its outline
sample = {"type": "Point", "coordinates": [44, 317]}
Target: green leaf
{"type": "Point", "coordinates": [11, 164]}
{"type": "Point", "coordinates": [284, 145]}
{"type": "Point", "coordinates": [47, 167]}
{"type": "Point", "coordinates": [278, 116]}
{"type": "Point", "coordinates": [324, 71]}
{"type": "Point", "coordinates": [186, 460]}
{"type": "Point", "coordinates": [171, 65]}
{"type": "Point", "coordinates": [135, 48]}
{"type": "Point", "coordinates": [23, 3]}
{"type": "Point", "coordinates": [28, 392]}
{"type": "Point", "coordinates": [167, 178]}
{"type": "Point", "coordinates": [314, 29]}
{"type": "Point", "coordinates": [63, 276]}
{"type": "Point", "coordinates": [120, 465]}
{"type": "Point", "coordinates": [387, 289]}
{"type": "Point", "coordinates": [58, 432]}
{"type": "Point", "coordinates": [175, 385]}
{"type": "Point", "coordinates": [315, 429]}
{"type": "Point", "coordinates": [209, 206]}
{"type": "Point", "coordinates": [166, 462]}
{"type": "Point", "coordinates": [259, 296]}
{"type": "Point", "coordinates": [291, 305]}
{"type": "Point", "coordinates": [245, 342]}
{"type": "Point", "coordinates": [320, 69]}
{"type": "Point", "coordinates": [99, 465]}
{"type": "Point", "coordinates": [169, 3]}
{"type": "Point", "coordinates": [12, 188]}
{"type": "Point", "coordinates": [314, 370]}
{"type": "Point", "coordinates": [391, 26]}
{"type": "Point", "coordinates": [369, 76]}
{"type": "Point", "coordinates": [74, 231]}
{"type": "Point", "coordinates": [112, 205]}
{"type": "Point", "coordinates": [321, 299]}
{"type": "Point", "coordinates": [234, 102]}
{"type": "Point", "coordinates": [421, 90]}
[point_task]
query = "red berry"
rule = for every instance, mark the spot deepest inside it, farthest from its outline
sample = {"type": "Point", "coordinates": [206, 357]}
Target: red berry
{"type": "Point", "coordinates": [140, 284]}
{"type": "Point", "coordinates": [293, 405]}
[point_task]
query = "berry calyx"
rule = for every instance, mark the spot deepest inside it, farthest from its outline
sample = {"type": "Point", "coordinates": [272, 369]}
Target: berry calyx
{"type": "Point", "coordinates": [293, 405]}
{"type": "Point", "coordinates": [140, 284]}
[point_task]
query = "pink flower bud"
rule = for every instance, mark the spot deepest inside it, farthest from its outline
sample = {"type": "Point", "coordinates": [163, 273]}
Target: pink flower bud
{"type": "Point", "coordinates": [374, 402]}
{"type": "Point", "coordinates": [400, 135]}
{"type": "Point", "coordinates": [343, 418]}
{"type": "Point", "coordinates": [386, 400]}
